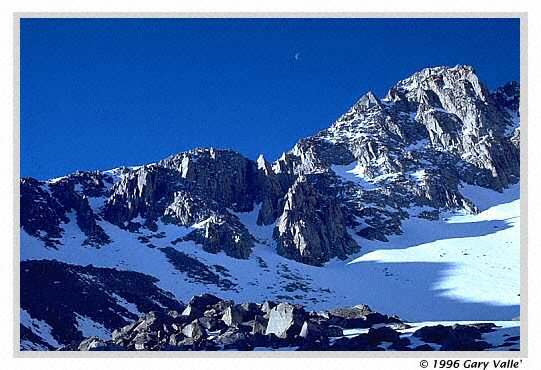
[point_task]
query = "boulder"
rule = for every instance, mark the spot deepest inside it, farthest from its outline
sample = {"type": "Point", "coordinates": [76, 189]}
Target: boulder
{"type": "Point", "coordinates": [423, 347]}
{"type": "Point", "coordinates": [311, 330]}
{"type": "Point", "coordinates": [360, 316]}
{"type": "Point", "coordinates": [333, 331]}
{"type": "Point", "coordinates": [249, 310]}
{"type": "Point", "coordinates": [233, 315]}
{"type": "Point", "coordinates": [92, 344]}
{"type": "Point", "coordinates": [211, 324]}
{"type": "Point", "coordinates": [259, 325]}
{"type": "Point", "coordinates": [463, 344]}
{"type": "Point", "coordinates": [360, 342]}
{"type": "Point", "coordinates": [199, 304]}
{"type": "Point", "coordinates": [285, 320]}
{"type": "Point", "coordinates": [176, 339]}
{"type": "Point", "coordinates": [455, 338]}
{"type": "Point", "coordinates": [383, 334]}
{"type": "Point", "coordinates": [267, 306]}
{"type": "Point", "coordinates": [314, 344]}
{"type": "Point", "coordinates": [234, 339]}
{"type": "Point", "coordinates": [194, 331]}
{"type": "Point", "coordinates": [402, 344]}
{"type": "Point", "coordinates": [150, 321]}
{"type": "Point", "coordinates": [433, 334]}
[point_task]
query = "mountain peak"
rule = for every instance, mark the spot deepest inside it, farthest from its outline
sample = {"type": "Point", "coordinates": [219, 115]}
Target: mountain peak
{"type": "Point", "coordinates": [367, 101]}
{"type": "Point", "coordinates": [461, 79]}
{"type": "Point", "coordinates": [459, 69]}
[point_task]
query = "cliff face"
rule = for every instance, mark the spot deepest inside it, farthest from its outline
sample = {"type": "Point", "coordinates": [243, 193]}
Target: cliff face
{"type": "Point", "coordinates": [312, 228]}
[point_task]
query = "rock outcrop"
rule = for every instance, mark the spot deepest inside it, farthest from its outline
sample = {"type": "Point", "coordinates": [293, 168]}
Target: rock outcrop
{"type": "Point", "coordinates": [209, 323]}
{"type": "Point", "coordinates": [223, 233]}
{"type": "Point", "coordinates": [312, 229]}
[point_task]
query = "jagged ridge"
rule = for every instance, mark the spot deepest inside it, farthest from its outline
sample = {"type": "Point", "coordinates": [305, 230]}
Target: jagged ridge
{"type": "Point", "coordinates": [433, 131]}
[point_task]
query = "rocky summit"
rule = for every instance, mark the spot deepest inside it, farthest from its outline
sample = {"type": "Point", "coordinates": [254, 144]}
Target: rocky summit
{"type": "Point", "coordinates": [408, 154]}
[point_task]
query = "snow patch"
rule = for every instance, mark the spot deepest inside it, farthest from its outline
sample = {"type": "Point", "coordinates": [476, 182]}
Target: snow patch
{"type": "Point", "coordinates": [485, 198]}
{"type": "Point", "coordinates": [91, 328]}
{"type": "Point", "coordinates": [124, 303]}
{"type": "Point", "coordinates": [419, 175]}
{"type": "Point", "coordinates": [38, 327]}
{"type": "Point", "coordinates": [353, 172]}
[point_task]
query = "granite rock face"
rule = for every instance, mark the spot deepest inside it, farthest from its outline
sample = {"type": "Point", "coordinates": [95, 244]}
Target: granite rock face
{"type": "Point", "coordinates": [432, 133]}
{"type": "Point", "coordinates": [223, 233]}
{"type": "Point", "coordinates": [312, 228]}
{"type": "Point", "coordinates": [408, 154]}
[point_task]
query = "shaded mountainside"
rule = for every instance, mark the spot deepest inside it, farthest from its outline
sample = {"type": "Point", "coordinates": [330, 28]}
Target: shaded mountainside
{"type": "Point", "coordinates": [66, 297]}
{"type": "Point", "coordinates": [409, 154]}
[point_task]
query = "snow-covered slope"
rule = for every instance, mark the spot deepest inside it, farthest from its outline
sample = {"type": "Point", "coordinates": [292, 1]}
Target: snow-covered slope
{"type": "Point", "coordinates": [436, 270]}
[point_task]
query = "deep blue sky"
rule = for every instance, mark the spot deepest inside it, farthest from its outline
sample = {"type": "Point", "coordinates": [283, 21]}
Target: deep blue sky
{"type": "Point", "coordinates": [98, 93]}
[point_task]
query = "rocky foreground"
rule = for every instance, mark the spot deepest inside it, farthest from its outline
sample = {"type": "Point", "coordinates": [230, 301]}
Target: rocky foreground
{"type": "Point", "coordinates": [208, 323]}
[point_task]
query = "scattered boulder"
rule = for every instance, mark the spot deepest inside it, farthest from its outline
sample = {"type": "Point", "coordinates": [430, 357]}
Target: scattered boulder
{"type": "Point", "coordinates": [194, 331]}
{"type": "Point", "coordinates": [176, 339]}
{"type": "Point", "coordinates": [311, 330]}
{"type": "Point", "coordinates": [210, 323]}
{"type": "Point", "coordinates": [402, 344]}
{"type": "Point", "coordinates": [249, 310]}
{"type": "Point", "coordinates": [267, 306]}
{"type": "Point", "coordinates": [285, 320]}
{"type": "Point", "coordinates": [233, 339]}
{"type": "Point", "coordinates": [233, 315]}
{"type": "Point", "coordinates": [433, 334]}
{"type": "Point", "coordinates": [333, 331]}
{"type": "Point", "coordinates": [259, 325]}
{"type": "Point", "coordinates": [383, 334]}
{"type": "Point", "coordinates": [456, 337]}
{"type": "Point", "coordinates": [360, 342]}
{"type": "Point", "coordinates": [92, 344]}
{"type": "Point", "coordinates": [360, 316]}
{"type": "Point", "coordinates": [199, 304]}
{"type": "Point", "coordinates": [314, 344]}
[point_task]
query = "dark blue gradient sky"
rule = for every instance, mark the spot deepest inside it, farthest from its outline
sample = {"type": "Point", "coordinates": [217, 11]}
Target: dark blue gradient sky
{"type": "Point", "coordinates": [98, 93]}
